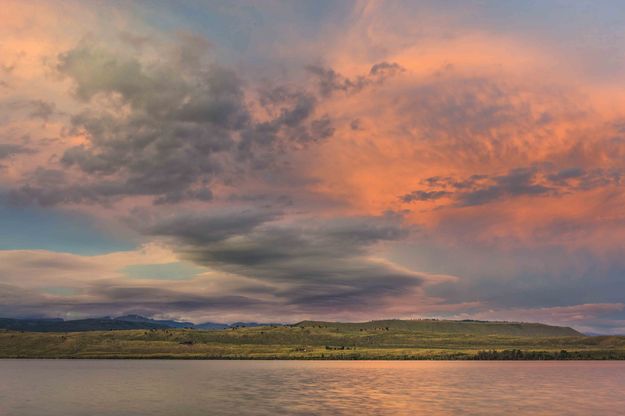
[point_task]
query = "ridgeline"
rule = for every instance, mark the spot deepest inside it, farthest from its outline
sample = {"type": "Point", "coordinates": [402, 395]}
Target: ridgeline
{"type": "Point", "coordinates": [452, 327]}
{"type": "Point", "coordinates": [388, 339]}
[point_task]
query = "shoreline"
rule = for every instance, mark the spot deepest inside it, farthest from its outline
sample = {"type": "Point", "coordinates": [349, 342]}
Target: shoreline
{"type": "Point", "coordinates": [607, 356]}
{"type": "Point", "coordinates": [165, 358]}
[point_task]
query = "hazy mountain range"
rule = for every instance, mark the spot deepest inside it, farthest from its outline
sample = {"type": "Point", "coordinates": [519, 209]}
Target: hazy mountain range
{"type": "Point", "coordinates": [108, 323]}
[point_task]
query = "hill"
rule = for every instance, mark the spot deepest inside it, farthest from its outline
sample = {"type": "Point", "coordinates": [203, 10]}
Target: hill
{"type": "Point", "coordinates": [452, 327]}
{"type": "Point", "coordinates": [427, 339]}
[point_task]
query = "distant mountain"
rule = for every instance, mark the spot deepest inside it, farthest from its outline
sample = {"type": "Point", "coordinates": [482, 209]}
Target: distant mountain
{"type": "Point", "coordinates": [252, 324]}
{"type": "Point", "coordinates": [167, 323]}
{"type": "Point", "coordinates": [105, 324]}
{"type": "Point", "coordinates": [59, 325]}
{"type": "Point", "coordinates": [211, 325]}
{"type": "Point", "coordinates": [602, 334]}
{"type": "Point", "coordinates": [204, 325]}
{"type": "Point", "coordinates": [467, 327]}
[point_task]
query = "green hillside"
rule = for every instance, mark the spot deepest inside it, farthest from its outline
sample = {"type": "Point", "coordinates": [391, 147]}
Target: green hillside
{"type": "Point", "coordinates": [427, 339]}
{"type": "Point", "coordinates": [452, 327]}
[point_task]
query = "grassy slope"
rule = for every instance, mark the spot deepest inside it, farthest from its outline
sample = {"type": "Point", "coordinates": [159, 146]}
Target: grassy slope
{"type": "Point", "coordinates": [452, 327]}
{"type": "Point", "coordinates": [314, 340]}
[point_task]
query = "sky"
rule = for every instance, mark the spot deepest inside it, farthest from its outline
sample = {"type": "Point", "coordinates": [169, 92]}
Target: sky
{"type": "Point", "coordinates": [288, 160]}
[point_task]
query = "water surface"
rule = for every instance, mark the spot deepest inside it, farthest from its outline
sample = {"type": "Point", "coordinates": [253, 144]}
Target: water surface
{"type": "Point", "coordinates": [135, 387]}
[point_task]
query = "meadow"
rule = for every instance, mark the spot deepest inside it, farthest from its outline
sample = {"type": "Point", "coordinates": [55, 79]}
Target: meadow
{"type": "Point", "coordinates": [393, 340]}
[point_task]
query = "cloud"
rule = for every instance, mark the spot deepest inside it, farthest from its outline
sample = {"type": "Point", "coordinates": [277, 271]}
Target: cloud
{"type": "Point", "coordinates": [258, 265]}
{"type": "Point", "coordinates": [102, 299]}
{"type": "Point", "coordinates": [423, 196]}
{"type": "Point", "coordinates": [530, 182]}
{"type": "Point", "coordinates": [69, 285]}
{"type": "Point", "coordinates": [171, 129]}
{"type": "Point", "coordinates": [200, 229]}
{"type": "Point", "coordinates": [260, 246]}
{"type": "Point", "coordinates": [271, 165]}
{"type": "Point", "coordinates": [9, 149]}
{"type": "Point", "coordinates": [317, 264]}
{"type": "Point", "coordinates": [248, 262]}
{"type": "Point", "coordinates": [330, 81]}
{"type": "Point", "coordinates": [603, 318]}
{"type": "Point", "coordinates": [42, 109]}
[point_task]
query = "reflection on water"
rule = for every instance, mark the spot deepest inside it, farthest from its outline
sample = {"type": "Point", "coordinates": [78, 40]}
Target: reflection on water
{"type": "Point", "coordinates": [134, 387]}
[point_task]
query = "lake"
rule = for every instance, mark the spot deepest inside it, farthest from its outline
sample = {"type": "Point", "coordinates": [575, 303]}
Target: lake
{"type": "Point", "coordinates": [136, 387]}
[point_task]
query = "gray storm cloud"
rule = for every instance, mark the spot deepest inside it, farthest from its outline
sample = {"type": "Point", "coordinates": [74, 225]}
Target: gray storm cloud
{"type": "Point", "coordinates": [266, 263]}
{"type": "Point", "coordinates": [169, 130]}
{"type": "Point", "coordinates": [317, 264]}
{"type": "Point", "coordinates": [532, 181]}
